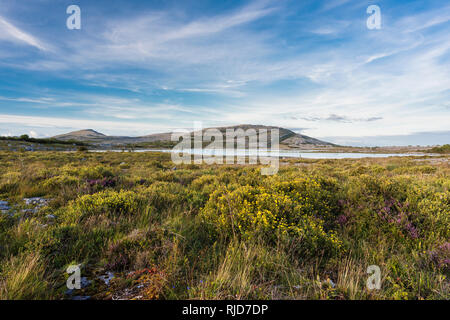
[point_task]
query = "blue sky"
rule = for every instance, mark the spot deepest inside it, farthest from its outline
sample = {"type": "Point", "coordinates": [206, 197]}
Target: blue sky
{"type": "Point", "coordinates": [140, 67]}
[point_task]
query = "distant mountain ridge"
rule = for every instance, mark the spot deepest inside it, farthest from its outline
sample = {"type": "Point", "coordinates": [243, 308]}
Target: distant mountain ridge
{"type": "Point", "coordinates": [288, 138]}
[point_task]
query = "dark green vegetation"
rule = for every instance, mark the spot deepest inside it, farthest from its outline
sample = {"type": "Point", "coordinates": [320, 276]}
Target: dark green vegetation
{"type": "Point", "coordinates": [26, 138]}
{"type": "Point", "coordinates": [158, 144]}
{"type": "Point", "coordinates": [445, 149]}
{"type": "Point", "coordinates": [223, 232]}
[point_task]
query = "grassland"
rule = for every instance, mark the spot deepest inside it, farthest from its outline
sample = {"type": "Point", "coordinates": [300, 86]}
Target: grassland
{"type": "Point", "coordinates": [223, 232]}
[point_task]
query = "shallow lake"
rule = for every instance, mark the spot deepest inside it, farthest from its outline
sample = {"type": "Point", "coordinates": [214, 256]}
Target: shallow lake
{"type": "Point", "coordinates": [307, 154]}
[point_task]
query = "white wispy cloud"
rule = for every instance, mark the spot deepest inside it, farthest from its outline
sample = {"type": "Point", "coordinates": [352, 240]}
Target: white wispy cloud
{"type": "Point", "coordinates": [12, 33]}
{"type": "Point", "coordinates": [424, 20]}
{"type": "Point", "coordinates": [66, 123]}
{"type": "Point", "coordinates": [28, 100]}
{"type": "Point", "coordinates": [332, 4]}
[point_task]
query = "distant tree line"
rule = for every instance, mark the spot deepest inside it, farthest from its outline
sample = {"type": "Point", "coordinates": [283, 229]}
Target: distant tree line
{"type": "Point", "coordinates": [150, 144]}
{"type": "Point", "coordinates": [26, 138]}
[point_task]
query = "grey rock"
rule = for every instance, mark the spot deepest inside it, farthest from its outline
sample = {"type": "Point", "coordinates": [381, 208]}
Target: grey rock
{"type": "Point", "coordinates": [37, 204]}
{"type": "Point", "coordinates": [4, 205]}
{"type": "Point", "coordinates": [5, 208]}
{"type": "Point", "coordinates": [84, 282]}
{"type": "Point", "coordinates": [6, 212]}
{"type": "Point", "coordinates": [36, 201]}
{"type": "Point", "coordinates": [69, 292]}
{"type": "Point", "coordinates": [107, 278]}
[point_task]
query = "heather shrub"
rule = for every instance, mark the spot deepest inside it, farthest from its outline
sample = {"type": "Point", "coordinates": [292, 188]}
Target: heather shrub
{"type": "Point", "coordinates": [163, 195]}
{"type": "Point", "coordinates": [89, 172]}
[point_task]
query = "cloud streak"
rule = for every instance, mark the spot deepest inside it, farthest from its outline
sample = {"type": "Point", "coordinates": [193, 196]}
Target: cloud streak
{"type": "Point", "coordinates": [14, 34]}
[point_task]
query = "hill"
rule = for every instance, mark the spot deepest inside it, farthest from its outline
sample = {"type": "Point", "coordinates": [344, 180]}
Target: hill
{"type": "Point", "coordinates": [288, 138]}
{"type": "Point", "coordinates": [86, 134]}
